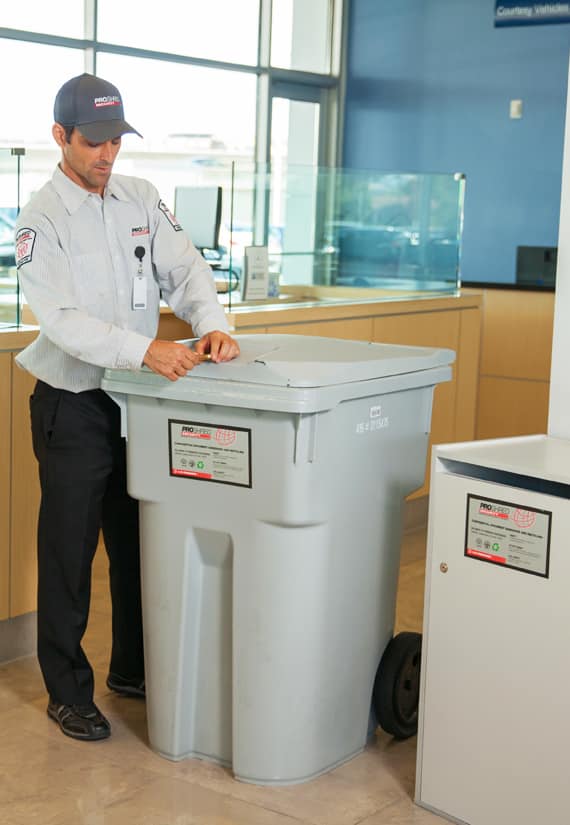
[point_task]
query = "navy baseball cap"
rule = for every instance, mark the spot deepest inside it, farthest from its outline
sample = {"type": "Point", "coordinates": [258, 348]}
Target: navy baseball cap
{"type": "Point", "coordinates": [94, 106]}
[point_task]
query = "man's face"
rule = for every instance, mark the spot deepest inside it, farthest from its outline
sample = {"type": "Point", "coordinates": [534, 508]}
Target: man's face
{"type": "Point", "coordinates": [87, 164]}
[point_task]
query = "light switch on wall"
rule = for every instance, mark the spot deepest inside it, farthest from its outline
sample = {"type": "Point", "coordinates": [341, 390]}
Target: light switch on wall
{"type": "Point", "coordinates": [516, 109]}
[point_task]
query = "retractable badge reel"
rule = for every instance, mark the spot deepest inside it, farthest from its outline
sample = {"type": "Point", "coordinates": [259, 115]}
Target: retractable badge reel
{"type": "Point", "coordinates": [139, 281]}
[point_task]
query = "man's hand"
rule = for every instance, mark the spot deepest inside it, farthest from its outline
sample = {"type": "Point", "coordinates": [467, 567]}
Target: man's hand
{"type": "Point", "coordinates": [170, 359]}
{"type": "Point", "coordinates": [219, 345]}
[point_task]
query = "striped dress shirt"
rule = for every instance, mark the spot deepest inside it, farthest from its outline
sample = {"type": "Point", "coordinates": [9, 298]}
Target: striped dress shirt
{"type": "Point", "coordinates": [75, 253]}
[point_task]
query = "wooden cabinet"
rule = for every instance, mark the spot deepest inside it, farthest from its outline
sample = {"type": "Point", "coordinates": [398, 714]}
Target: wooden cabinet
{"type": "Point", "coordinates": [514, 380]}
{"type": "Point", "coordinates": [5, 425]}
{"type": "Point", "coordinates": [19, 486]}
{"type": "Point", "coordinates": [25, 489]}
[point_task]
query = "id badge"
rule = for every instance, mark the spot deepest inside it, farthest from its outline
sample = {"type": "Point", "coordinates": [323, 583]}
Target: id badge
{"type": "Point", "coordinates": [139, 292]}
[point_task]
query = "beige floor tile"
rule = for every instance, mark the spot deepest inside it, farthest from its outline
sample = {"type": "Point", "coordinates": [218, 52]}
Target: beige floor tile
{"type": "Point", "coordinates": [20, 682]}
{"type": "Point", "coordinates": [28, 716]}
{"type": "Point", "coordinates": [385, 763]}
{"type": "Point", "coordinates": [341, 797]}
{"type": "Point", "coordinates": [65, 785]}
{"type": "Point", "coordinates": [175, 802]}
{"type": "Point", "coordinates": [328, 800]}
{"type": "Point", "coordinates": [404, 812]}
{"type": "Point", "coordinates": [49, 779]}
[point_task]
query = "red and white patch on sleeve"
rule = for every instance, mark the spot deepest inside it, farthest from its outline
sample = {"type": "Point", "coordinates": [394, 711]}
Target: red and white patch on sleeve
{"type": "Point", "coordinates": [25, 239]}
{"type": "Point", "coordinates": [169, 216]}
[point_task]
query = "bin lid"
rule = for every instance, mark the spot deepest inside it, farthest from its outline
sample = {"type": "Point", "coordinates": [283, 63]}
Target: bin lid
{"type": "Point", "coordinates": [293, 366]}
{"type": "Point", "coordinates": [309, 361]}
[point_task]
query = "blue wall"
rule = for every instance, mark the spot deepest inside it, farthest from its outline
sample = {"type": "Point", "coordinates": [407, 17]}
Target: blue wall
{"type": "Point", "coordinates": [429, 84]}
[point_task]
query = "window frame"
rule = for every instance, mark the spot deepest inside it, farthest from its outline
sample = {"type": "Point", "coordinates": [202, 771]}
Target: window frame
{"type": "Point", "coordinates": [330, 85]}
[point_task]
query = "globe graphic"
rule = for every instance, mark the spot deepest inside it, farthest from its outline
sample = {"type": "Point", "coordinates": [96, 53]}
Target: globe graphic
{"type": "Point", "coordinates": [524, 518]}
{"type": "Point", "coordinates": [225, 436]}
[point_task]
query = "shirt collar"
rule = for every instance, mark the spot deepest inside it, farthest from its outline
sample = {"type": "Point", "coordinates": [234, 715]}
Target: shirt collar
{"type": "Point", "coordinates": [74, 196]}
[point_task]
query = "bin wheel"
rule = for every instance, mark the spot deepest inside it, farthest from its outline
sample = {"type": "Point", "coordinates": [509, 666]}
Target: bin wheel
{"type": "Point", "coordinates": [397, 686]}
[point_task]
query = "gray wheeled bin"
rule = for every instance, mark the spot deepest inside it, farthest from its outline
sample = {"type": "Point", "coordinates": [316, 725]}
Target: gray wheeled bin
{"type": "Point", "coordinates": [271, 490]}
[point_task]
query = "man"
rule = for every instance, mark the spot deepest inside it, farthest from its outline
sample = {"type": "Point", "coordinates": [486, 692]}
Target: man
{"type": "Point", "coordinates": [95, 253]}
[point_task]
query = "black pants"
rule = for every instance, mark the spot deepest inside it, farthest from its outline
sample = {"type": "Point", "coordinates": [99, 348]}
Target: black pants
{"type": "Point", "coordinates": [82, 467]}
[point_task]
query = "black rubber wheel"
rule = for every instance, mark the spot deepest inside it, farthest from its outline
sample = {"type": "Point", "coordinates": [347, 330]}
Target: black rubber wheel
{"type": "Point", "coordinates": [397, 686]}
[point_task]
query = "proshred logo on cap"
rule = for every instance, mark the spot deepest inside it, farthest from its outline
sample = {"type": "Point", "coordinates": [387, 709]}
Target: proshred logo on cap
{"type": "Point", "coordinates": [107, 100]}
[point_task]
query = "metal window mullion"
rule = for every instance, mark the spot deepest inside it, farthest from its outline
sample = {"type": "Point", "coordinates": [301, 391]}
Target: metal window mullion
{"type": "Point", "coordinates": [339, 22]}
{"type": "Point", "coordinates": [325, 81]}
{"type": "Point", "coordinates": [46, 39]}
{"type": "Point", "coordinates": [341, 29]}
{"type": "Point", "coordinates": [127, 51]}
{"type": "Point", "coordinates": [308, 78]}
{"type": "Point", "coordinates": [148, 54]}
{"type": "Point", "coordinates": [264, 41]}
{"type": "Point", "coordinates": [263, 119]}
{"type": "Point", "coordinates": [90, 32]}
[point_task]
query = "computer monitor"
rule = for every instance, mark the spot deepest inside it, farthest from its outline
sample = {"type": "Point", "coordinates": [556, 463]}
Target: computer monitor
{"type": "Point", "coordinates": [536, 265]}
{"type": "Point", "coordinates": [198, 210]}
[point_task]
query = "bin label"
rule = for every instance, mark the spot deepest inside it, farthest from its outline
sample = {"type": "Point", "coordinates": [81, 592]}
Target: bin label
{"type": "Point", "coordinates": [376, 420]}
{"type": "Point", "coordinates": [507, 534]}
{"type": "Point", "coordinates": [210, 452]}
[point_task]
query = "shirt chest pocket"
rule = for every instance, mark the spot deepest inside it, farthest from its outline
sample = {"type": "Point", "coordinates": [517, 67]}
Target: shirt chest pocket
{"type": "Point", "coordinates": [92, 286]}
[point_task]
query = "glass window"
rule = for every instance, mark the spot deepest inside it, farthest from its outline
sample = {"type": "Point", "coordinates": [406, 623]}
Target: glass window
{"type": "Point", "coordinates": [295, 132]}
{"type": "Point", "coordinates": [210, 112]}
{"type": "Point", "coordinates": [295, 144]}
{"type": "Point", "coordinates": [27, 102]}
{"type": "Point", "coordinates": [195, 122]}
{"type": "Point", "coordinates": [28, 108]}
{"type": "Point", "coordinates": [300, 35]}
{"type": "Point", "coordinates": [223, 30]}
{"type": "Point", "coordinates": [39, 16]}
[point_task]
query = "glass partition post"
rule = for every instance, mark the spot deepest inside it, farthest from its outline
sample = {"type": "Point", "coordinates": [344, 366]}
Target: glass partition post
{"type": "Point", "coordinates": [232, 192]}
{"type": "Point", "coordinates": [460, 178]}
{"type": "Point", "coordinates": [18, 153]}
{"type": "Point", "coordinates": [10, 187]}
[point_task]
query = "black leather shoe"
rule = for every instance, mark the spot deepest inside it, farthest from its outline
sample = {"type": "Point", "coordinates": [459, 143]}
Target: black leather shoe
{"type": "Point", "coordinates": [133, 688]}
{"type": "Point", "coordinates": [80, 721]}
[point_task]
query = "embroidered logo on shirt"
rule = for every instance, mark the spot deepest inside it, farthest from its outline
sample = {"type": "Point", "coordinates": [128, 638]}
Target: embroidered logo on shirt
{"type": "Point", "coordinates": [25, 239]}
{"type": "Point", "coordinates": [169, 216]}
{"type": "Point", "coordinates": [139, 230]}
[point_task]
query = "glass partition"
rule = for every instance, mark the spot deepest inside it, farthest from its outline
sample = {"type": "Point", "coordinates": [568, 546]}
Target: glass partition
{"type": "Point", "coordinates": [340, 233]}
{"type": "Point", "coordinates": [10, 175]}
{"type": "Point", "coordinates": [331, 234]}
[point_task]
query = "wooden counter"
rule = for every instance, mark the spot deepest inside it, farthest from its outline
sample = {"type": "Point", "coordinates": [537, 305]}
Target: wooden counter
{"type": "Point", "coordinates": [19, 486]}
{"type": "Point", "coordinates": [514, 376]}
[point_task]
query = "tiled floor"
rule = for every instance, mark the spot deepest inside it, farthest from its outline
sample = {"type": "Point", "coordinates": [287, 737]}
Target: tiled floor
{"type": "Point", "coordinates": [48, 779]}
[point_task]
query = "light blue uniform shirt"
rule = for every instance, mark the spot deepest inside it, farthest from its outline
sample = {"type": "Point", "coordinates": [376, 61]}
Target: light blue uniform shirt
{"type": "Point", "coordinates": [75, 253]}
